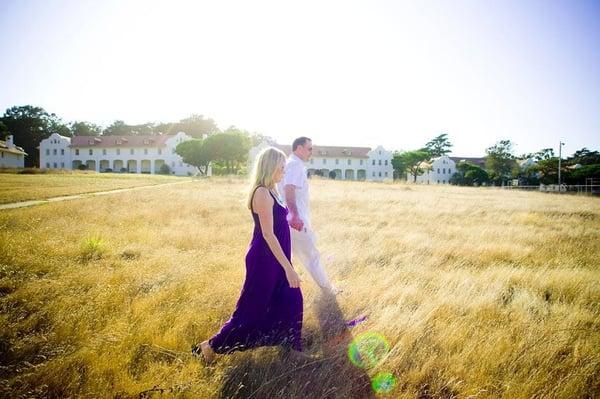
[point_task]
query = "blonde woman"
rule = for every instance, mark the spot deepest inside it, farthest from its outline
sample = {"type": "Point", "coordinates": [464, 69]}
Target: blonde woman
{"type": "Point", "coordinates": [269, 310]}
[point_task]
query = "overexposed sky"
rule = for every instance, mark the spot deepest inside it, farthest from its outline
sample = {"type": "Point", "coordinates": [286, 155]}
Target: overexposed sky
{"type": "Point", "coordinates": [360, 73]}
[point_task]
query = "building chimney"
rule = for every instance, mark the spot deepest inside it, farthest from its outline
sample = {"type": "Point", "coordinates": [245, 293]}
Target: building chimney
{"type": "Point", "coordinates": [9, 142]}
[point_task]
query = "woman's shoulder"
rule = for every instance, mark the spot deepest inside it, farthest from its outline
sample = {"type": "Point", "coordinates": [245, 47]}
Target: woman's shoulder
{"type": "Point", "coordinates": [262, 194]}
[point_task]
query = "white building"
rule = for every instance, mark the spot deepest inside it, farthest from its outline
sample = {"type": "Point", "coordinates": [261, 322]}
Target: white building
{"type": "Point", "coordinates": [126, 154]}
{"type": "Point", "coordinates": [438, 171]}
{"type": "Point", "coordinates": [348, 163]}
{"type": "Point", "coordinates": [11, 156]}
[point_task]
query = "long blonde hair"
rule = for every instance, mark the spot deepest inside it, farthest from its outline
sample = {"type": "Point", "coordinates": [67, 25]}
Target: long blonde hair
{"type": "Point", "coordinates": [265, 166]}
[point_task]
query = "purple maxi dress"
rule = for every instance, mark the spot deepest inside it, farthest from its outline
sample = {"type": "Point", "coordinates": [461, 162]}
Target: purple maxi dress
{"type": "Point", "coordinates": [268, 311]}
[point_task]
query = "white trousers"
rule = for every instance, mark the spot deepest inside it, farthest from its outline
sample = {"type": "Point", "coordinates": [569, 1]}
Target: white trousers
{"type": "Point", "coordinates": [304, 248]}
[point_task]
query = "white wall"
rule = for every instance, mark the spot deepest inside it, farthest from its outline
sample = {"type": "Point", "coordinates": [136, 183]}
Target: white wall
{"type": "Point", "coordinates": [347, 167]}
{"type": "Point", "coordinates": [441, 171]}
{"type": "Point", "coordinates": [10, 160]}
{"type": "Point", "coordinates": [55, 152]}
{"type": "Point", "coordinates": [380, 165]}
{"type": "Point", "coordinates": [140, 159]}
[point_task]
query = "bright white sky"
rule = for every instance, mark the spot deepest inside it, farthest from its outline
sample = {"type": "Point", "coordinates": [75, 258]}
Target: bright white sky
{"type": "Point", "coordinates": [395, 73]}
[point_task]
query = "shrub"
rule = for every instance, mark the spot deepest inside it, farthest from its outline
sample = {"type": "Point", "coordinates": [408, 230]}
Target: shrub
{"type": "Point", "coordinates": [92, 248]}
{"type": "Point", "coordinates": [164, 169]}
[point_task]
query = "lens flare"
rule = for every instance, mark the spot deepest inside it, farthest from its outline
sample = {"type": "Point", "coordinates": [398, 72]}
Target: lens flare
{"type": "Point", "coordinates": [383, 382]}
{"type": "Point", "coordinates": [368, 349]}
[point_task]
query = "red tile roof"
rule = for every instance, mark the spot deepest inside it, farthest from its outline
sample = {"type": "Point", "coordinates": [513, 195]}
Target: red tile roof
{"type": "Point", "coordinates": [125, 141]}
{"type": "Point", "coordinates": [331, 151]}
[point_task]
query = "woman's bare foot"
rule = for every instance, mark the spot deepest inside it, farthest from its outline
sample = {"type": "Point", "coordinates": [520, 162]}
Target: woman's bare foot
{"type": "Point", "coordinates": [204, 352]}
{"type": "Point", "coordinates": [300, 357]}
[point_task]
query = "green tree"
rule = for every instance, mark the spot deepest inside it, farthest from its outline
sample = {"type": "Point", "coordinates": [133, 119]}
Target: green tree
{"type": "Point", "coordinates": [196, 126]}
{"type": "Point", "coordinates": [196, 153]}
{"type": "Point", "coordinates": [584, 157]}
{"type": "Point", "coordinates": [85, 129]}
{"type": "Point", "coordinates": [257, 138]}
{"type": "Point", "coordinates": [399, 166]}
{"type": "Point", "coordinates": [29, 125]}
{"type": "Point", "coordinates": [3, 131]}
{"type": "Point", "coordinates": [411, 162]}
{"type": "Point", "coordinates": [438, 146]}
{"type": "Point", "coordinates": [545, 153]}
{"type": "Point", "coordinates": [468, 174]}
{"type": "Point", "coordinates": [118, 128]}
{"type": "Point", "coordinates": [500, 161]}
{"type": "Point", "coordinates": [230, 148]}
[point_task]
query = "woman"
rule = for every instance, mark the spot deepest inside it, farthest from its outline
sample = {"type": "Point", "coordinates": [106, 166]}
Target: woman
{"type": "Point", "coordinates": [269, 310]}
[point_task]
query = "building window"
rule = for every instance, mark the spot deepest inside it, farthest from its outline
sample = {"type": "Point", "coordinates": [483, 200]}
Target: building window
{"type": "Point", "coordinates": [349, 162]}
{"type": "Point", "coordinates": [449, 171]}
{"type": "Point", "coordinates": [444, 171]}
{"type": "Point", "coordinates": [1, 154]}
{"type": "Point", "coordinates": [118, 151]}
{"type": "Point", "coordinates": [47, 165]}
{"type": "Point", "coordinates": [312, 161]}
{"type": "Point", "coordinates": [62, 165]}
{"type": "Point", "coordinates": [386, 162]}
{"type": "Point", "coordinates": [55, 166]}
{"type": "Point", "coordinates": [104, 151]}
{"type": "Point", "coordinates": [145, 151]}
{"type": "Point", "coordinates": [386, 173]}
{"type": "Point", "coordinates": [62, 151]}
{"type": "Point", "coordinates": [373, 162]}
{"type": "Point", "coordinates": [77, 151]}
{"type": "Point", "coordinates": [380, 162]}
{"type": "Point", "coordinates": [91, 152]}
{"type": "Point", "coordinates": [379, 174]}
{"type": "Point", "coordinates": [379, 152]}
{"type": "Point", "coordinates": [180, 163]}
{"type": "Point", "coordinates": [54, 152]}
{"type": "Point", "coordinates": [361, 162]}
{"type": "Point", "coordinates": [373, 172]}
{"type": "Point", "coordinates": [324, 161]}
{"type": "Point", "coordinates": [159, 151]}
{"type": "Point", "coordinates": [173, 164]}
{"type": "Point", "coordinates": [337, 161]}
{"type": "Point", "coordinates": [47, 151]}
{"type": "Point", "coordinates": [438, 173]}
{"type": "Point", "coordinates": [131, 151]}
{"type": "Point", "coordinates": [438, 182]}
{"type": "Point", "coordinates": [173, 151]}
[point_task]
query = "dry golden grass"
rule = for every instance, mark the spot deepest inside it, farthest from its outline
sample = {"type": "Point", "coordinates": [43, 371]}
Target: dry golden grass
{"type": "Point", "coordinates": [480, 293]}
{"type": "Point", "coordinates": [24, 187]}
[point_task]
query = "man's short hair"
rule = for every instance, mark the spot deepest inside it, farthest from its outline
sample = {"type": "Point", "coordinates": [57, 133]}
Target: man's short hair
{"type": "Point", "coordinates": [299, 141]}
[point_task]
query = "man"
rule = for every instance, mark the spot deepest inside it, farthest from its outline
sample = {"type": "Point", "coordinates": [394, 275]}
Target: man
{"type": "Point", "coordinates": [294, 188]}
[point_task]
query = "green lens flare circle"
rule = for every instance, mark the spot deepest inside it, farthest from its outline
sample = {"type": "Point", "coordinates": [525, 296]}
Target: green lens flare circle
{"type": "Point", "coordinates": [383, 382]}
{"type": "Point", "coordinates": [368, 349]}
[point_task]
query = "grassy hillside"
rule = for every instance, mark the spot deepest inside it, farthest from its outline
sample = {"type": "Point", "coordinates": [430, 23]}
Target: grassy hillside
{"type": "Point", "coordinates": [23, 187]}
{"type": "Point", "coordinates": [479, 293]}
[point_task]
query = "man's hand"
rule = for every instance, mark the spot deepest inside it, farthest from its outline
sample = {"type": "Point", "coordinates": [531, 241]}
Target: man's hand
{"type": "Point", "coordinates": [296, 222]}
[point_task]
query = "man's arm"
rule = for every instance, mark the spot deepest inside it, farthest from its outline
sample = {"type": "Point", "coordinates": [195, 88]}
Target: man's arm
{"type": "Point", "coordinates": [290, 200]}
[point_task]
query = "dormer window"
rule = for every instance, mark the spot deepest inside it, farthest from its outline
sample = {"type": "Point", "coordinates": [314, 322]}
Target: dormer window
{"type": "Point", "coordinates": [146, 142]}
{"type": "Point", "coordinates": [91, 142]}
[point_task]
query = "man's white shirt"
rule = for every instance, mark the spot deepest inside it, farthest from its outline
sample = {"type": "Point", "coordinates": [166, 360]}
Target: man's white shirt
{"type": "Point", "coordinates": [295, 174]}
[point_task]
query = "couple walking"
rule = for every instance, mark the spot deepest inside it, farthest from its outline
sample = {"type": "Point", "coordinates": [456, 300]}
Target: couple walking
{"type": "Point", "coordinates": [270, 308]}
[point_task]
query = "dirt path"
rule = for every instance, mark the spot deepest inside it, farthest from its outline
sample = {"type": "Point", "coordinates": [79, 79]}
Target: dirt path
{"type": "Point", "coordinates": [22, 204]}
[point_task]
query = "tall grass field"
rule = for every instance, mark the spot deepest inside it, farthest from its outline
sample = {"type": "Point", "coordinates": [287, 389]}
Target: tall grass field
{"type": "Point", "coordinates": [471, 293]}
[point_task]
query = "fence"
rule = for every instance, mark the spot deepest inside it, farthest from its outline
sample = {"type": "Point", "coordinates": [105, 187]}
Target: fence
{"type": "Point", "coordinates": [584, 189]}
